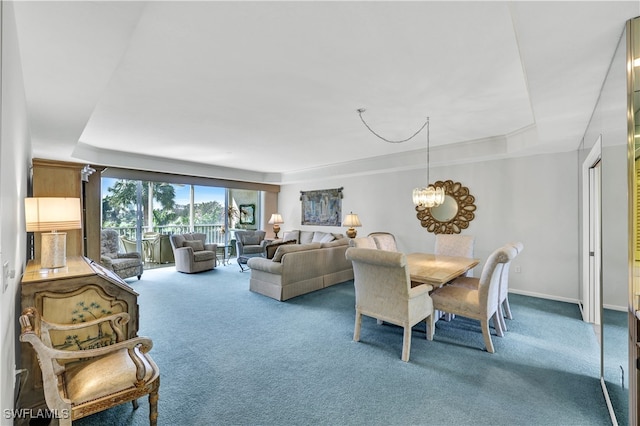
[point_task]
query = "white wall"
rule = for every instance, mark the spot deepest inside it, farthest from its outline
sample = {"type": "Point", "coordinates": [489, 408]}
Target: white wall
{"type": "Point", "coordinates": [15, 154]}
{"type": "Point", "coordinates": [529, 199]}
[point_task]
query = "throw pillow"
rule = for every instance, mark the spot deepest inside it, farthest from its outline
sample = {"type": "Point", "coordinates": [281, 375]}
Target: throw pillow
{"type": "Point", "coordinates": [196, 245]}
{"type": "Point", "coordinates": [305, 237]}
{"type": "Point", "coordinates": [271, 248]}
{"type": "Point", "coordinates": [291, 235]}
{"type": "Point", "coordinates": [322, 237]}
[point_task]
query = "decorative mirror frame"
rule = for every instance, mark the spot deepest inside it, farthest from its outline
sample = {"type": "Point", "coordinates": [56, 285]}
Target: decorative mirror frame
{"type": "Point", "coordinates": [460, 221]}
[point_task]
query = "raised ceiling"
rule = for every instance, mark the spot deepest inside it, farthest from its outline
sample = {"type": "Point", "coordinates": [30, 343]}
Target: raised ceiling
{"type": "Point", "coordinates": [265, 90]}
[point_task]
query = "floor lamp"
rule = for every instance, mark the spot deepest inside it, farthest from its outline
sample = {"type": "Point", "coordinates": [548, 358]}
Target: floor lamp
{"type": "Point", "coordinates": [49, 215]}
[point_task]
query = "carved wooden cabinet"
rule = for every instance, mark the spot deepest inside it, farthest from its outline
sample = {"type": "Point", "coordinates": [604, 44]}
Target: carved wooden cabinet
{"type": "Point", "coordinates": [79, 292]}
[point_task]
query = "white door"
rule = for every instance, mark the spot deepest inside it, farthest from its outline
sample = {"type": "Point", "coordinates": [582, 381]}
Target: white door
{"type": "Point", "coordinates": [591, 232]}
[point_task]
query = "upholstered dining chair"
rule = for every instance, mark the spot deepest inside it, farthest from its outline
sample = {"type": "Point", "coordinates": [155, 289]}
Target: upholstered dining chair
{"type": "Point", "coordinates": [78, 383]}
{"type": "Point", "coordinates": [376, 240]}
{"type": "Point", "coordinates": [503, 295]}
{"type": "Point", "coordinates": [455, 245]}
{"type": "Point", "coordinates": [479, 303]}
{"type": "Point", "coordinates": [383, 291]}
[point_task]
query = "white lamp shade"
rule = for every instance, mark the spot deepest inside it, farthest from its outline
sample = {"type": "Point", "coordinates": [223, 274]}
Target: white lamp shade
{"type": "Point", "coordinates": [276, 218]}
{"type": "Point", "coordinates": [351, 220]}
{"type": "Point", "coordinates": [52, 214]}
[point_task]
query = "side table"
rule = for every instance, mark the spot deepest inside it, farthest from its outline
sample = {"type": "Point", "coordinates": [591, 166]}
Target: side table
{"type": "Point", "coordinates": [223, 253]}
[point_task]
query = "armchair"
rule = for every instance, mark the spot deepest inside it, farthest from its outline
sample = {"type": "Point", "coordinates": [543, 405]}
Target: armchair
{"type": "Point", "coordinates": [250, 243]}
{"type": "Point", "coordinates": [192, 254]}
{"type": "Point", "coordinates": [78, 383]}
{"type": "Point", "coordinates": [125, 265]}
{"type": "Point", "coordinates": [383, 291]}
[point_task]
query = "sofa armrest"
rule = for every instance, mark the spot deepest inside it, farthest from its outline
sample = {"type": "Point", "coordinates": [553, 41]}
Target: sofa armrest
{"type": "Point", "coordinates": [211, 247]}
{"type": "Point", "coordinates": [265, 265]}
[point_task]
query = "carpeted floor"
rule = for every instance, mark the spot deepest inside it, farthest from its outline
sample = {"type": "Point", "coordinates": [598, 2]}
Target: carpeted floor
{"type": "Point", "coordinates": [232, 357]}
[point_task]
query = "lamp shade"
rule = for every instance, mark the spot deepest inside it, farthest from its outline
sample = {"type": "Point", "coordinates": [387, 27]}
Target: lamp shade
{"type": "Point", "coordinates": [351, 220]}
{"type": "Point", "coordinates": [52, 214]}
{"type": "Point", "coordinates": [276, 218]}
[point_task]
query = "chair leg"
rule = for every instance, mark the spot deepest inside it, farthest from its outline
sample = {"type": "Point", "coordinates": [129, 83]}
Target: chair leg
{"type": "Point", "coordinates": [503, 324]}
{"type": "Point", "coordinates": [406, 343]}
{"type": "Point", "coordinates": [431, 327]}
{"type": "Point", "coordinates": [487, 335]}
{"type": "Point", "coordinates": [507, 308]}
{"type": "Point", "coordinates": [135, 404]}
{"type": "Point", "coordinates": [356, 329]}
{"type": "Point", "coordinates": [153, 408]}
{"type": "Point", "coordinates": [497, 324]}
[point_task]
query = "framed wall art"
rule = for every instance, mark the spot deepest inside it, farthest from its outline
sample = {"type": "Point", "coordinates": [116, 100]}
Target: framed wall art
{"type": "Point", "coordinates": [247, 214]}
{"type": "Point", "coordinates": [322, 207]}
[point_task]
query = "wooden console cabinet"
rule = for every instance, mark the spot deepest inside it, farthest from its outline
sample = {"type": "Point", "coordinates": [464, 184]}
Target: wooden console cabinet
{"type": "Point", "coordinates": [79, 292]}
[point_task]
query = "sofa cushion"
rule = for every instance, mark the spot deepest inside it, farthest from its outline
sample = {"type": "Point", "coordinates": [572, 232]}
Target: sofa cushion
{"type": "Point", "coordinates": [322, 237]}
{"type": "Point", "coordinates": [290, 248]}
{"type": "Point", "coordinates": [336, 243]}
{"type": "Point", "coordinates": [305, 237]}
{"type": "Point", "coordinates": [196, 245]}
{"type": "Point", "coordinates": [271, 248]}
{"type": "Point", "coordinates": [291, 235]}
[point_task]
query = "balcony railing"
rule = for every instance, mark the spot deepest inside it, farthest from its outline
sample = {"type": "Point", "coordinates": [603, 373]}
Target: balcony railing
{"type": "Point", "coordinates": [215, 233]}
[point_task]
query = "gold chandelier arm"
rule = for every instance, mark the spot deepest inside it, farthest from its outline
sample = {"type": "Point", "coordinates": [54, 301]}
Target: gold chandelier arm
{"type": "Point", "coordinates": [361, 110]}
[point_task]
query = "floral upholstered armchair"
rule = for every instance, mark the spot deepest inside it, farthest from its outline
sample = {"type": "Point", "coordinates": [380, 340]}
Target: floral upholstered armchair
{"type": "Point", "coordinates": [125, 265]}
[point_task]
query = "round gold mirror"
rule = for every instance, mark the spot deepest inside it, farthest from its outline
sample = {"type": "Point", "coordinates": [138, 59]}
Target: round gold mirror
{"type": "Point", "coordinates": [453, 215]}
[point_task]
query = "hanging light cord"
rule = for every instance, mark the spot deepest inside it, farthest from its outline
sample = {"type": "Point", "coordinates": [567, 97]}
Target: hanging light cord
{"type": "Point", "coordinates": [361, 110]}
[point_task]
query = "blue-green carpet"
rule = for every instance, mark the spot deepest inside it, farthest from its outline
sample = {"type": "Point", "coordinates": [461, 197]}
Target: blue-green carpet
{"type": "Point", "coordinates": [232, 357]}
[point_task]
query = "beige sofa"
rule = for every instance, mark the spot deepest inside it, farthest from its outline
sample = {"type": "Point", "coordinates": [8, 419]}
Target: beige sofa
{"type": "Point", "coordinates": [297, 269]}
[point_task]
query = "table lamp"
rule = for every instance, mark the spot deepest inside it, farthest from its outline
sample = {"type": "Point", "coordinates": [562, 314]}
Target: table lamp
{"type": "Point", "coordinates": [352, 221]}
{"type": "Point", "coordinates": [52, 214]}
{"type": "Point", "coordinates": [276, 220]}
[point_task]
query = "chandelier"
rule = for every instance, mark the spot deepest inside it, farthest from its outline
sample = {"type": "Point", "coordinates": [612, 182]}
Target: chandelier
{"type": "Point", "coordinates": [425, 197]}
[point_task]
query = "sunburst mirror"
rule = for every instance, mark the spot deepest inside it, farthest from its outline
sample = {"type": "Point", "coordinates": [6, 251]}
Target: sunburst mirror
{"type": "Point", "coordinates": [453, 215]}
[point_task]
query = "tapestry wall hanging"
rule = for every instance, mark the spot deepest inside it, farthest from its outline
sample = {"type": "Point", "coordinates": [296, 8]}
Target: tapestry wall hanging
{"type": "Point", "coordinates": [322, 207]}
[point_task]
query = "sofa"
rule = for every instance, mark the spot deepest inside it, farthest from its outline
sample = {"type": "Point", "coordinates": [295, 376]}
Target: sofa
{"type": "Point", "coordinates": [291, 268]}
{"type": "Point", "coordinates": [192, 254]}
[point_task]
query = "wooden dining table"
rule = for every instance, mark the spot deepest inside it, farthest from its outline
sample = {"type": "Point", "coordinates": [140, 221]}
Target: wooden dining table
{"type": "Point", "coordinates": [437, 270]}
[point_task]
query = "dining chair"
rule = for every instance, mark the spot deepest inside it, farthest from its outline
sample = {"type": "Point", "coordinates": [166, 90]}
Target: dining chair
{"type": "Point", "coordinates": [383, 291]}
{"type": "Point", "coordinates": [503, 296]}
{"type": "Point", "coordinates": [479, 303]}
{"type": "Point", "coordinates": [384, 241]}
{"type": "Point", "coordinates": [455, 245]}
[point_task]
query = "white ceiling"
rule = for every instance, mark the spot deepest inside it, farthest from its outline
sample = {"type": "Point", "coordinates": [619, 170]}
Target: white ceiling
{"type": "Point", "coordinates": [273, 87]}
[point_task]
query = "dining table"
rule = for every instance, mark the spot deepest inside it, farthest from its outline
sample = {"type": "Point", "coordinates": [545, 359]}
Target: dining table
{"type": "Point", "coordinates": [436, 270]}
